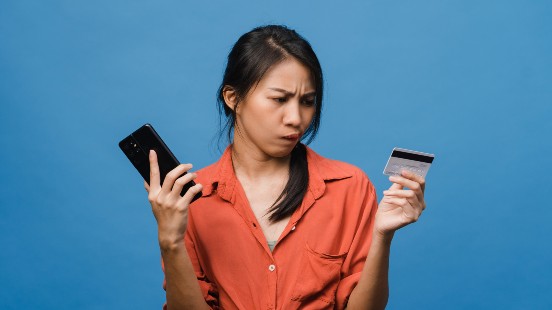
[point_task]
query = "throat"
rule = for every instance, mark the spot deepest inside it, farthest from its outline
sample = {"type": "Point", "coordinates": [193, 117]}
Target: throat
{"type": "Point", "coordinates": [259, 168]}
{"type": "Point", "coordinates": [263, 182]}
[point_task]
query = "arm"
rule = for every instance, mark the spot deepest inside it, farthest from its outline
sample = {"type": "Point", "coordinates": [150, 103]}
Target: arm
{"type": "Point", "coordinates": [171, 213]}
{"type": "Point", "coordinates": [182, 288]}
{"type": "Point", "coordinates": [397, 209]}
{"type": "Point", "coordinates": [372, 290]}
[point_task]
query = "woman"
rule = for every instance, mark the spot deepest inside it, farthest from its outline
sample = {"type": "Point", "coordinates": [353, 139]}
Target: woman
{"type": "Point", "coordinates": [277, 226]}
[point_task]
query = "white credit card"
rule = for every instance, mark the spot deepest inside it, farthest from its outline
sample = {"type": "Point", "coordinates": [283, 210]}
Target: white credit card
{"type": "Point", "coordinates": [403, 159]}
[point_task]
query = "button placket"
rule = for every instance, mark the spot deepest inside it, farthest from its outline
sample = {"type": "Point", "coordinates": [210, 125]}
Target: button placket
{"type": "Point", "coordinates": [273, 279]}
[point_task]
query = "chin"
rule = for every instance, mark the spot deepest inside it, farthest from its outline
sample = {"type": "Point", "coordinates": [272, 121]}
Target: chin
{"type": "Point", "coordinates": [281, 151]}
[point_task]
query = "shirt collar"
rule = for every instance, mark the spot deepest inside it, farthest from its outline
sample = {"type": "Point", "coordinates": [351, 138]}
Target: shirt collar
{"type": "Point", "coordinates": [222, 178]}
{"type": "Point", "coordinates": [322, 170]}
{"type": "Point", "coordinates": [224, 181]}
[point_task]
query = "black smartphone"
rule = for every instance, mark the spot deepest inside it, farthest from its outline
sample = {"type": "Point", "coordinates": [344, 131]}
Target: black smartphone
{"type": "Point", "coordinates": [137, 146]}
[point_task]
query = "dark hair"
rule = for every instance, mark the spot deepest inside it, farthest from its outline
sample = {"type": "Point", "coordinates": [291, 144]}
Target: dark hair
{"type": "Point", "coordinates": [251, 57]}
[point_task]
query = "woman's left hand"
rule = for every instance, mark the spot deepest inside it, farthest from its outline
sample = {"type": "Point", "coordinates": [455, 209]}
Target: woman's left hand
{"type": "Point", "coordinates": [399, 206]}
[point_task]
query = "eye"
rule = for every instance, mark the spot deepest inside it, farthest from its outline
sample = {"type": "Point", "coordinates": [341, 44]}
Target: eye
{"type": "Point", "coordinates": [308, 102]}
{"type": "Point", "coordinates": [280, 99]}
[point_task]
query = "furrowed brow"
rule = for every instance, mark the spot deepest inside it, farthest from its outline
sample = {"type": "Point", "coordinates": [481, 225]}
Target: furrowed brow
{"type": "Point", "coordinates": [285, 92]}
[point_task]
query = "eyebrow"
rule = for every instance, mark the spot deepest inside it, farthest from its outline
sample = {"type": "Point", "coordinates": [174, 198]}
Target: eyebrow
{"type": "Point", "coordinates": [287, 93]}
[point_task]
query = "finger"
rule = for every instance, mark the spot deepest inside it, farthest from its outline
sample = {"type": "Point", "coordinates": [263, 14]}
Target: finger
{"type": "Point", "coordinates": [413, 185]}
{"type": "Point", "coordinates": [181, 182]}
{"type": "Point", "coordinates": [146, 186]}
{"type": "Point", "coordinates": [410, 195]}
{"type": "Point", "coordinates": [154, 171]}
{"type": "Point", "coordinates": [408, 210]}
{"type": "Point", "coordinates": [396, 186]}
{"type": "Point", "coordinates": [400, 193]}
{"type": "Point", "coordinates": [171, 177]}
{"type": "Point", "coordinates": [190, 194]}
{"type": "Point", "coordinates": [414, 177]}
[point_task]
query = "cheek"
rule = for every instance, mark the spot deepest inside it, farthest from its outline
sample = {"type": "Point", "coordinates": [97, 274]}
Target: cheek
{"type": "Point", "coordinates": [257, 114]}
{"type": "Point", "coordinates": [308, 115]}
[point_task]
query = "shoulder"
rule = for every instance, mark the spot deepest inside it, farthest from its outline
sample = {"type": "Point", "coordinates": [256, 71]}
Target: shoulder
{"type": "Point", "coordinates": [207, 173]}
{"type": "Point", "coordinates": [330, 175]}
{"type": "Point", "coordinates": [331, 169]}
{"type": "Point", "coordinates": [220, 170]}
{"type": "Point", "coordinates": [344, 188]}
{"type": "Point", "coordinates": [207, 177]}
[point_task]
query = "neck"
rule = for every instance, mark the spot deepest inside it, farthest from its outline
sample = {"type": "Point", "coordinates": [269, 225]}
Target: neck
{"type": "Point", "coordinates": [253, 164]}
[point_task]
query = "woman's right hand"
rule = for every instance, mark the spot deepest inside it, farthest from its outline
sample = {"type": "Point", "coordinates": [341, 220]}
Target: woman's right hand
{"type": "Point", "coordinates": [169, 208]}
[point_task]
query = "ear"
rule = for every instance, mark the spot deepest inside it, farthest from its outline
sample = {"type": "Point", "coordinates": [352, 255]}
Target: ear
{"type": "Point", "coordinates": [230, 97]}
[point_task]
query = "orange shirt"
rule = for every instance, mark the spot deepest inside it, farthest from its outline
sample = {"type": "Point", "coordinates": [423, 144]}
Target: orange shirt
{"type": "Point", "coordinates": [318, 259]}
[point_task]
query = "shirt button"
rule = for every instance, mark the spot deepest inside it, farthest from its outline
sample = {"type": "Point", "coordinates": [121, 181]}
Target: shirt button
{"type": "Point", "coordinates": [293, 228]}
{"type": "Point", "coordinates": [271, 267]}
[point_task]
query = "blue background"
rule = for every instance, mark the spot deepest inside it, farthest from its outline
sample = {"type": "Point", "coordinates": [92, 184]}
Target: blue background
{"type": "Point", "coordinates": [467, 80]}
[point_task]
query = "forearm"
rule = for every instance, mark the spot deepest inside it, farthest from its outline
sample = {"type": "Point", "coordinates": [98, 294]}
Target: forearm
{"type": "Point", "coordinates": [372, 290]}
{"type": "Point", "coordinates": [183, 290]}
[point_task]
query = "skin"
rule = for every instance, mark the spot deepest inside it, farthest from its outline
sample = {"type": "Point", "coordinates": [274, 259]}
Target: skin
{"type": "Point", "coordinates": [281, 105]}
{"type": "Point", "coordinates": [270, 120]}
{"type": "Point", "coordinates": [401, 205]}
{"type": "Point", "coordinates": [171, 212]}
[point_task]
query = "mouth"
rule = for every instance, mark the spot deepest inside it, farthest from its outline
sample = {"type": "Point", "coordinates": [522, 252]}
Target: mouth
{"type": "Point", "coordinates": [293, 137]}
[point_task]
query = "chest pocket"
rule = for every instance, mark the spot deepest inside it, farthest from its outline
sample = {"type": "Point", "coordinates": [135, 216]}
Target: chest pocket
{"type": "Point", "coordinates": [318, 279]}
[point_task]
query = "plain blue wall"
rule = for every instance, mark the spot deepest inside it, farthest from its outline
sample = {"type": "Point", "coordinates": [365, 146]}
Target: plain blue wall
{"type": "Point", "coordinates": [467, 80]}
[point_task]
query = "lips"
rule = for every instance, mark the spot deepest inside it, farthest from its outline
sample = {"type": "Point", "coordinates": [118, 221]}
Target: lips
{"type": "Point", "coordinates": [294, 136]}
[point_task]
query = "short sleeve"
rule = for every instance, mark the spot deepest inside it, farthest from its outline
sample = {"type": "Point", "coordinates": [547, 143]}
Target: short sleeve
{"type": "Point", "coordinates": [363, 196]}
{"type": "Point", "coordinates": [208, 289]}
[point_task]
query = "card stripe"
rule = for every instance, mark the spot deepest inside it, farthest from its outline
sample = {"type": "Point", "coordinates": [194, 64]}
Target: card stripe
{"type": "Point", "coordinates": [416, 157]}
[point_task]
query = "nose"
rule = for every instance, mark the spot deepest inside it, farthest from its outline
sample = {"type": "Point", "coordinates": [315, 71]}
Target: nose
{"type": "Point", "coordinates": [292, 114]}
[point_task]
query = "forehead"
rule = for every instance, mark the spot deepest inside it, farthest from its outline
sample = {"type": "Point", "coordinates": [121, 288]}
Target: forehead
{"type": "Point", "coordinates": [289, 74]}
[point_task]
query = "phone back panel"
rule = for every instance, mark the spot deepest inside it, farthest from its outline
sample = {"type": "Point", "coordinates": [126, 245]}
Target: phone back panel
{"type": "Point", "coordinates": [136, 147]}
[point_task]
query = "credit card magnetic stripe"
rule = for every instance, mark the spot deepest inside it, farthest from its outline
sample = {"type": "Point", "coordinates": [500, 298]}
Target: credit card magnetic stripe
{"type": "Point", "coordinates": [412, 156]}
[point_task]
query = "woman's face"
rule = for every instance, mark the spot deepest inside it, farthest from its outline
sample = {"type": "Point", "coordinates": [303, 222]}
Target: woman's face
{"type": "Point", "coordinates": [274, 115]}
